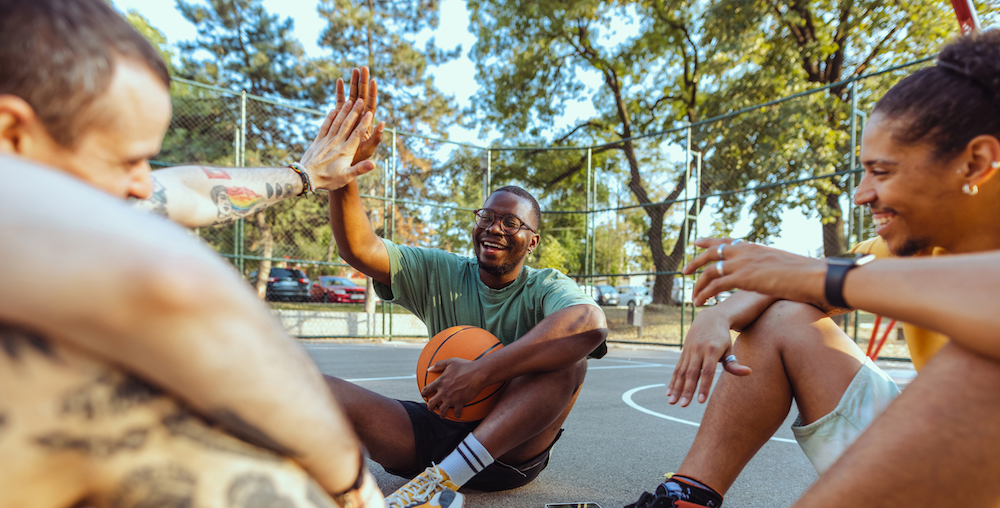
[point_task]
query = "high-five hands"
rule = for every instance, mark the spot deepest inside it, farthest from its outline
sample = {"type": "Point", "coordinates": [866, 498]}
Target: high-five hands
{"type": "Point", "coordinates": [346, 139]}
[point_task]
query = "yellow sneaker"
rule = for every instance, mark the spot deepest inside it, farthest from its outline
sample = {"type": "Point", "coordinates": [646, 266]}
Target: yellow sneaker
{"type": "Point", "coordinates": [430, 489]}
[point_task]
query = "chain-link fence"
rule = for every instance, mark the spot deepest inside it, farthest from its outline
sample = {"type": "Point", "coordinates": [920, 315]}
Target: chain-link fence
{"type": "Point", "coordinates": [618, 215]}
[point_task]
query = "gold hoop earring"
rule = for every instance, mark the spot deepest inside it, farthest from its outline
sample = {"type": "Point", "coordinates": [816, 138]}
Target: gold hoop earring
{"type": "Point", "coordinates": [971, 191]}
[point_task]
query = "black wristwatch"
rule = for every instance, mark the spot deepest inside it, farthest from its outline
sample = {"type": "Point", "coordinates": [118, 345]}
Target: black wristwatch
{"type": "Point", "coordinates": [836, 272]}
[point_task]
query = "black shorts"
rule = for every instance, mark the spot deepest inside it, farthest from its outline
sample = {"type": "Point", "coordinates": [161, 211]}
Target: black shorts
{"type": "Point", "coordinates": [436, 437]}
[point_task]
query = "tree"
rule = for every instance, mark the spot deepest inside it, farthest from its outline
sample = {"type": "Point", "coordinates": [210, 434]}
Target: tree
{"type": "Point", "coordinates": [530, 56]}
{"type": "Point", "coordinates": [381, 34]}
{"type": "Point", "coordinates": [241, 46]}
{"type": "Point", "coordinates": [689, 61]}
{"type": "Point", "coordinates": [776, 48]}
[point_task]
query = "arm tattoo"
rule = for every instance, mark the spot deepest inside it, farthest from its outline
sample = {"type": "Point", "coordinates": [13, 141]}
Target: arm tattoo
{"type": "Point", "coordinates": [216, 173]}
{"type": "Point", "coordinates": [252, 490]}
{"type": "Point", "coordinates": [15, 342]}
{"type": "Point", "coordinates": [167, 486]}
{"type": "Point", "coordinates": [187, 425]}
{"type": "Point", "coordinates": [247, 432]}
{"type": "Point", "coordinates": [234, 202]}
{"type": "Point", "coordinates": [97, 446]}
{"type": "Point", "coordinates": [111, 393]}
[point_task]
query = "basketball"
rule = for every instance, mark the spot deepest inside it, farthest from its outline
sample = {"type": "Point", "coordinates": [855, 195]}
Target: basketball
{"type": "Point", "coordinates": [470, 343]}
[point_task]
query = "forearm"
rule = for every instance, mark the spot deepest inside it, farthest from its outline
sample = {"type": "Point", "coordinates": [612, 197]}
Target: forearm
{"type": "Point", "coordinates": [195, 196]}
{"type": "Point", "coordinates": [356, 240]}
{"type": "Point", "coordinates": [953, 295]}
{"type": "Point", "coordinates": [142, 294]}
{"type": "Point", "coordinates": [557, 342]}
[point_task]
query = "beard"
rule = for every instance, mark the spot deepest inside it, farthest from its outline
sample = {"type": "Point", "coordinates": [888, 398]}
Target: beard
{"type": "Point", "coordinates": [512, 259]}
{"type": "Point", "coordinates": [912, 247]}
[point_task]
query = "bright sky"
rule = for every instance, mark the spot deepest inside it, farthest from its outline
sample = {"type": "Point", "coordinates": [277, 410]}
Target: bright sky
{"type": "Point", "coordinates": [800, 234]}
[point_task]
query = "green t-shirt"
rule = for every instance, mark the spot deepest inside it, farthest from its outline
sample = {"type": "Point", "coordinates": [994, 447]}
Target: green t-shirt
{"type": "Point", "coordinates": [444, 290]}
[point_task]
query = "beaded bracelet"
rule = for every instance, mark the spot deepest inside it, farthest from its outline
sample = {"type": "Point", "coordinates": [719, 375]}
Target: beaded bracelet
{"type": "Point", "coordinates": [307, 186]}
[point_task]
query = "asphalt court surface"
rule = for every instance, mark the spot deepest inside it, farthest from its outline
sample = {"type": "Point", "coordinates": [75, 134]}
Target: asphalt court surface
{"type": "Point", "coordinates": [619, 440]}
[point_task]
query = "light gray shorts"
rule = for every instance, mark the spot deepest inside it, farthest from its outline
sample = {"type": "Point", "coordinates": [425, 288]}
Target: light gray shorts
{"type": "Point", "coordinates": [826, 439]}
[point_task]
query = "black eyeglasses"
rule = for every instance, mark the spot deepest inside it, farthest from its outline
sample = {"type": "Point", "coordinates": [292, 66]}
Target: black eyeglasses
{"type": "Point", "coordinates": [509, 223]}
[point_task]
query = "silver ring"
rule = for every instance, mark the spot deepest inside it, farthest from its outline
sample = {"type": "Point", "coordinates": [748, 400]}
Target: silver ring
{"type": "Point", "coordinates": [718, 268]}
{"type": "Point", "coordinates": [718, 251]}
{"type": "Point", "coordinates": [729, 359]}
{"type": "Point", "coordinates": [737, 241]}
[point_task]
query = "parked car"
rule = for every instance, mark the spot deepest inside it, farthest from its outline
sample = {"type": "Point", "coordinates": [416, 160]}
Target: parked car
{"type": "Point", "coordinates": [633, 295]}
{"type": "Point", "coordinates": [338, 290]}
{"type": "Point", "coordinates": [689, 293]}
{"type": "Point", "coordinates": [286, 284]}
{"type": "Point", "coordinates": [605, 295]}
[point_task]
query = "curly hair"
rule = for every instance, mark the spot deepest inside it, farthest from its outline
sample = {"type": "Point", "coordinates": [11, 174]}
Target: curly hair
{"type": "Point", "coordinates": [952, 102]}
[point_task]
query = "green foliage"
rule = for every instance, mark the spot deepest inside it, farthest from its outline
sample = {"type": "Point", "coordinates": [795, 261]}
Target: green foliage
{"type": "Point", "coordinates": [381, 34]}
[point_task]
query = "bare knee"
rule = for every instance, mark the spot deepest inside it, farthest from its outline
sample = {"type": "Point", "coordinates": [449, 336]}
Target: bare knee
{"type": "Point", "coordinates": [787, 323]}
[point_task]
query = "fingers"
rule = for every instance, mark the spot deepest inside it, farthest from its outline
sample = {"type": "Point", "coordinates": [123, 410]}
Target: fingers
{"type": "Point", "coordinates": [340, 93]}
{"type": "Point", "coordinates": [362, 83]}
{"type": "Point", "coordinates": [347, 120]}
{"type": "Point", "coordinates": [372, 97]}
{"type": "Point", "coordinates": [355, 78]}
{"type": "Point", "coordinates": [360, 131]}
{"type": "Point", "coordinates": [707, 376]}
{"type": "Point", "coordinates": [737, 369]}
{"type": "Point", "coordinates": [324, 128]}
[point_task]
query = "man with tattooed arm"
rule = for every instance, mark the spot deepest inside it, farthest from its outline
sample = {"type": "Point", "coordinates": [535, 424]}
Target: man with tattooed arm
{"type": "Point", "coordinates": [148, 378]}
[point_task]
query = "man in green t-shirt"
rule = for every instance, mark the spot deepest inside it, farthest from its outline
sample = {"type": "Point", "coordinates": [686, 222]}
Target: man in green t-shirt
{"type": "Point", "coordinates": [548, 327]}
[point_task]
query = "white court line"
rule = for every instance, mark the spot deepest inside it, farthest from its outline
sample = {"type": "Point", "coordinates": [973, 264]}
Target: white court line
{"type": "Point", "coordinates": [627, 398]}
{"type": "Point", "coordinates": [604, 367]}
{"type": "Point", "coordinates": [360, 379]}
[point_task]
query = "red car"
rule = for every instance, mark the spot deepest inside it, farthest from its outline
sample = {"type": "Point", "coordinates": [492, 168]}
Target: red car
{"type": "Point", "coordinates": [337, 289]}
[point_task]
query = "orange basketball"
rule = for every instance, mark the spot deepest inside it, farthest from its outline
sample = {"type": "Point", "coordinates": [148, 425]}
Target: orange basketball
{"type": "Point", "coordinates": [466, 342]}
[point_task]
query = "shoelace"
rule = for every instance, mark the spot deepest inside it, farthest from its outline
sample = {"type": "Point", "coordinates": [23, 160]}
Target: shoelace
{"type": "Point", "coordinates": [415, 489]}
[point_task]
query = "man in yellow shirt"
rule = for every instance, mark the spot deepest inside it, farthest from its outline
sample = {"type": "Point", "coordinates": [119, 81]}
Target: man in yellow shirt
{"type": "Point", "coordinates": [930, 152]}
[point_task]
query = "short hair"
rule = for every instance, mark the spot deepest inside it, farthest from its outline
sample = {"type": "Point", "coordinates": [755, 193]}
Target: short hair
{"type": "Point", "coordinates": [952, 102]}
{"type": "Point", "coordinates": [536, 212]}
{"type": "Point", "coordinates": [60, 55]}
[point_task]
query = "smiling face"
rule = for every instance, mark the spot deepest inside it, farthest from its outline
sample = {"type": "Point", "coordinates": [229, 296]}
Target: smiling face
{"type": "Point", "coordinates": [501, 255]}
{"type": "Point", "coordinates": [113, 153]}
{"type": "Point", "coordinates": [915, 200]}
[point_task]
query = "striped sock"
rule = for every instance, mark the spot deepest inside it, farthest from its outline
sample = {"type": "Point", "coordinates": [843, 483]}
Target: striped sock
{"type": "Point", "coordinates": [466, 461]}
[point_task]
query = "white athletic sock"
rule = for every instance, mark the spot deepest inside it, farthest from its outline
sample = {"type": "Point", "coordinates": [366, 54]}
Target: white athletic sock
{"type": "Point", "coordinates": [466, 461]}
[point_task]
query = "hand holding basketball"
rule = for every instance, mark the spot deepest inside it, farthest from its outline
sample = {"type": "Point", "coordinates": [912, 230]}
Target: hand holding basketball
{"type": "Point", "coordinates": [449, 378]}
{"type": "Point", "coordinates": [458, 383]}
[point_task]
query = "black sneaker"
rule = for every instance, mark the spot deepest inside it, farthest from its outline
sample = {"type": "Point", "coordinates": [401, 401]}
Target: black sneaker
{"type": "Point", "coordinates": [677, 494]}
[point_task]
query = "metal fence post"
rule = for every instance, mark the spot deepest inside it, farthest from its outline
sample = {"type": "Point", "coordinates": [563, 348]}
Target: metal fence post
{"type": "Point", "coordinates": [684, 227]}
{"type": "Point", "coordinates": [392, 210]}
{"type": "Point", "coordinates": [587, 267]}
{"type": "Point", "coordinates": [238, 242]}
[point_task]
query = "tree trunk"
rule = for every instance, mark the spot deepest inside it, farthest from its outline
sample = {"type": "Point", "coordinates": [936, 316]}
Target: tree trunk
{"type": "Point", "coordinates": [267, 241]}
{"type": "Point", "coordinates": [834, 240]}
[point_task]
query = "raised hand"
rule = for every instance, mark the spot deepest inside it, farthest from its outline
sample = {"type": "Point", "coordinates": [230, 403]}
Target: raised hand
{"type": "Point", "coordinates": [366, 89]}
{"type": "Point", "coordinates": [330, 158]}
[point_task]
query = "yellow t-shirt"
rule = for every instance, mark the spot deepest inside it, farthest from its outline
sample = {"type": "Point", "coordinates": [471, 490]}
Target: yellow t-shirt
{"type": "Point", "coordinates": [923, 344]}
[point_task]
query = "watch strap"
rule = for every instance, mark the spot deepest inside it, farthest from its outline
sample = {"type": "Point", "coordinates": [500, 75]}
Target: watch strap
{"type": "Point", "coordinates": [834, 287]}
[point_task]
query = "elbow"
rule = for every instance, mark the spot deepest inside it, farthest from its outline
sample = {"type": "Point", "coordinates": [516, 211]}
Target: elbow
{"type": "Point", "coordinates": [594, 325]}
